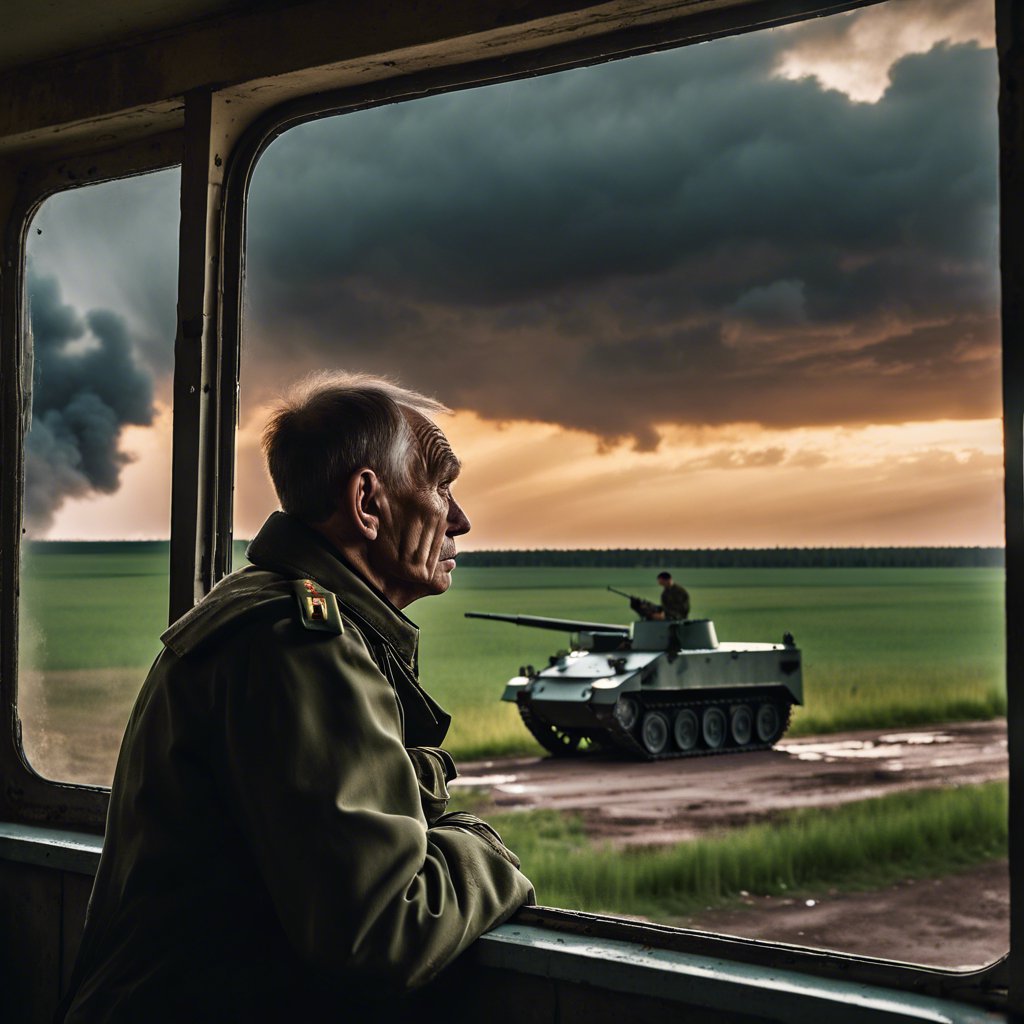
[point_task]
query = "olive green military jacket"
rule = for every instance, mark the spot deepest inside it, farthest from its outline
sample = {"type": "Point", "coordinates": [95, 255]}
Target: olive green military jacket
{"type": "Point", "coordinates": [276, 836]}
{"type": "Point", "coordinates": [675, 602]}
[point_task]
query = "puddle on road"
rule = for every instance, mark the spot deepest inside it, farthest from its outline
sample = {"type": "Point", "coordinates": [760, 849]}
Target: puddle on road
{"type": "Point", "coordinates": [916, 738]}
{"type": "Point", "coordinates": [483, 780]}
{"type": "Point", "coordinates": [844, 750]}
{"type": "Point", "coordinates": [505, 784]}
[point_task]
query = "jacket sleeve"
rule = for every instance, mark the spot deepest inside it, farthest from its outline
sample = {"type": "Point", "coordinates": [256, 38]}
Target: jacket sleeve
{"type": "Point", "coordinates": [434, 769]}
{"type": "Point", "coordinates": [330, 804]}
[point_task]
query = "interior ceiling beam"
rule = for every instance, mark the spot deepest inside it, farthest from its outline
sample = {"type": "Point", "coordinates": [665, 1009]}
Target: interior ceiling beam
{"type": "Point", "coordinates": [289, 49]}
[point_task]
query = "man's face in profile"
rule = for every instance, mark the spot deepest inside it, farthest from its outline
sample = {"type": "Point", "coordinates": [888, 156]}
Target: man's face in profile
{"type": "Point", "coordinates": [415, 552]}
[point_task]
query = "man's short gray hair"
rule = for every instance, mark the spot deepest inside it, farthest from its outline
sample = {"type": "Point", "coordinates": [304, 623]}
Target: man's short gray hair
{"type": "Point", "coordinates": [331, 424]}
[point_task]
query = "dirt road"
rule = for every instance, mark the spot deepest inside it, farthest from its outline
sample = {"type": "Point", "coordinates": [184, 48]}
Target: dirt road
{"type": "Point", "coordinates": [958, 921]}
{"type": "Point", "coordinates": [640, 803]}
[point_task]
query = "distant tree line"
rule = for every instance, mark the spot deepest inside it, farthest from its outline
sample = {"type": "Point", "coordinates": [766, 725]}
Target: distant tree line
{"type": "Point", "coordinates": [638, 558]}
{"type": "Point", "coordinates": [743, 558]}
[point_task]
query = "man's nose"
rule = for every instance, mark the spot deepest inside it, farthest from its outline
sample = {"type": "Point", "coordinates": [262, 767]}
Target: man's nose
{"type": "Point", "coordinates": [458, 521]}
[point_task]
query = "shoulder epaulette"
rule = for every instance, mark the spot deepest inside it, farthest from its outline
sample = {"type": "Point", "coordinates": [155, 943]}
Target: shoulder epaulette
{"type": "Point", "coordinates": [230, 602]}
{"type": "Point", "coordinates": [318, 607]}
{"type": "Point", "coordinates": [247, 592]}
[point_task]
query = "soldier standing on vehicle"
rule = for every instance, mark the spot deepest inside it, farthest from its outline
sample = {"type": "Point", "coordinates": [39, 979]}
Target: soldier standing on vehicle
{"type": "Point", "coordinates": [675, 601]}
{"type": "Point", "coordinates": [277, 846]}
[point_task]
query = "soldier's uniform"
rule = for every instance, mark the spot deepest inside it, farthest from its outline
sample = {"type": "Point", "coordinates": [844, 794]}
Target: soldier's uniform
{"type": "Point", "coordinates": [276, 840]}
{"type": "Point", "coordinates": [675, 602]}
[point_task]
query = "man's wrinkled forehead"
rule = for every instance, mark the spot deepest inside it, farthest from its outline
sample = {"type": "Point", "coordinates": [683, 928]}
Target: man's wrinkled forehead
{"type": "Point", "coordinates": [436, 458]}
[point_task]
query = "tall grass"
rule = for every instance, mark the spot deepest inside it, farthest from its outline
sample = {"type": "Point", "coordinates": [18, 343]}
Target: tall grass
{"type": "Point", "coordinates": [858, 845]}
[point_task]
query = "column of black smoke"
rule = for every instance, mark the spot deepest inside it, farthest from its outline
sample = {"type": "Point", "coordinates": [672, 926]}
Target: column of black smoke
{"type": "Point", "coordinates": [83, 395]}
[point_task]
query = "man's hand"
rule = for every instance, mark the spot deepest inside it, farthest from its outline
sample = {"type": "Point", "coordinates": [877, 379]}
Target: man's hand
{"type": "Point", "coordinates": [645, 609]}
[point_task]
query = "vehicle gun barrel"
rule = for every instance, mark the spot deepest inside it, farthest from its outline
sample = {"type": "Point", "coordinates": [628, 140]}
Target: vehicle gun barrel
{"type": "Point", "coordinates": [563, 625]}
{"type": "Point", "coordinates": [640, 605]}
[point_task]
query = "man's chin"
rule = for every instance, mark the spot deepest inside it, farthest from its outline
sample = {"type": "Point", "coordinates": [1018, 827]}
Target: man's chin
{"type": "Point", "coordinates": [438, 584]}
{"type": "Point", "coordinates": [441, 580]}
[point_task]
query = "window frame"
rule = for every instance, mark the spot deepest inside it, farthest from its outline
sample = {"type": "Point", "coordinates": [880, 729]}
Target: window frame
{"type": "Point", "coordinates": [27, 796]}
{"type": "Point", "coordinates": [207, 364]}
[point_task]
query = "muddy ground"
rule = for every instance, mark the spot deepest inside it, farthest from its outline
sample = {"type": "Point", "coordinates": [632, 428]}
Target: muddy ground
{"type": "Point", "coordinates": [957, 921]}
{"type": "Point", "coordinates": [640, 803]}
{"type": "Point", "coordinates": [961, 921]}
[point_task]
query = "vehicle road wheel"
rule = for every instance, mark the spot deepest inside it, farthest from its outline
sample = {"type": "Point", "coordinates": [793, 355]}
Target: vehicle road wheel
{"type": "Point", "coordinates": [654, 732]}
{"type": "Point", "coordinates": [767, 723]}
{"type": "Point", "coordinates": [713, 727]}
{"type": "Point", "coordinates": [627, 713]}
{"type": "Point", "coordinates": [686, 729]}
{"type": "Point", "coordinates": [741, 725]}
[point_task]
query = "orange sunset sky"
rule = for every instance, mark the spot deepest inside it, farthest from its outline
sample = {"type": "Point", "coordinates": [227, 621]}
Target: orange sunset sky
{"type": "Point", "coordinates": [741, 294]}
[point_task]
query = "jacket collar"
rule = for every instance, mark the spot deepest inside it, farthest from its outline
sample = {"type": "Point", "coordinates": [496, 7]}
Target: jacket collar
{"type": "Point", "coordinates": [287, 546]}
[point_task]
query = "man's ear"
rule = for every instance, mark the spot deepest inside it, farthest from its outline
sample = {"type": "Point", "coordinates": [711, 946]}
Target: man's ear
{"type": "Point", "coordinates": [362, 502]}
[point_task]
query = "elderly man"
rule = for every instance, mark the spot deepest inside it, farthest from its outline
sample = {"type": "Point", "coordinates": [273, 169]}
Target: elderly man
{"type": "Point", "coordinates": [277, 843]}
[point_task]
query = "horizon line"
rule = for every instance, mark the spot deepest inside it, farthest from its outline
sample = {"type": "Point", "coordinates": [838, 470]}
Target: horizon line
{"type": "Point", "coordinates": [488, 551]}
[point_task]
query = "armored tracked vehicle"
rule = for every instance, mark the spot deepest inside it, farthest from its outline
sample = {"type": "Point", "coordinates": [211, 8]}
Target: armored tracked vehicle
{"type": "Point", "coordinates": [655, 689]}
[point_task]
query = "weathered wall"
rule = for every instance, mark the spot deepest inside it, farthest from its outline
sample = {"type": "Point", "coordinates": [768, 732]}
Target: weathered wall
{"type": "Point", "coordinates": [42, 912]}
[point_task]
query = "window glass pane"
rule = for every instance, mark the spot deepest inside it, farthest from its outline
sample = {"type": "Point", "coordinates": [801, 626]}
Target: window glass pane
{"type": "Point", "coordinates": [102, 267]}
{"type": "Point", "coordinates": [729, 311]}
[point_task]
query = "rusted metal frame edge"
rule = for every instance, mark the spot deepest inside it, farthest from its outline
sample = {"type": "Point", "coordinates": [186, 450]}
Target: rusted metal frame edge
{"type": "Point", "coordinates": [986, 987]}
{"type": "Point", "coordinates": [26, 796]}
{"type": "Point", "coordinates": [233, 244]}
{"type": "Point", "coordinates": [696, 979]}
{"type": "Point", "coordinates": [617, 43]}
{"type": "Point", "coordinates": [1010, 45]}
{"type": "Point", "coordinates": [50, 847]}
{"type": "Point", "coordinates": [61, 171]}
{"type": "Point", "coordinates": [196, 389]}
{"type": "Point", "coordinates": [141, 59]}
{"type": "Point", "coordinates": [13, 769]}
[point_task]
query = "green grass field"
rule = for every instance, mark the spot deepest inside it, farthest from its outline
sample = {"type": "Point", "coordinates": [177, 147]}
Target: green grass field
{"type": "Point", "coordinates": [867, 844]}
{"type": "Point", "coordinates": [882, 647]}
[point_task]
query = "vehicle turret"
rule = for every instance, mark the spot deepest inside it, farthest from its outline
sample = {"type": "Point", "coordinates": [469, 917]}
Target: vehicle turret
{"type": "Point", "coordinates": [655, 689]}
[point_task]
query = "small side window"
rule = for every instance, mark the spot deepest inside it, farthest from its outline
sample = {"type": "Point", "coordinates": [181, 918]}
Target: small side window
{"type": "Point", "coordinates": [101, 277]}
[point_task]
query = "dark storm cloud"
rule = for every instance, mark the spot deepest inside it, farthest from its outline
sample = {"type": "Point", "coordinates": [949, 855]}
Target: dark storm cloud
{"type": "Point", "coordinates": [87, 387]}
{"type": "Point", "coordinates": [114, 245]}
{"type": "Point", "coordinates": [676, 238]}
